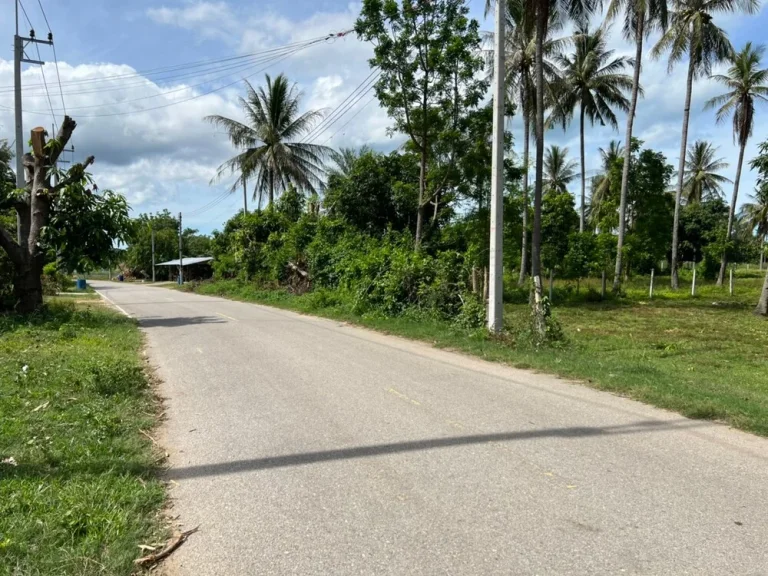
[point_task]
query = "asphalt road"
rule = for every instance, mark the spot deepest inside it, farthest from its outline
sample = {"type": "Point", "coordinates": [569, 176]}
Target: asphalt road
{"type": "Point", "coordinates": [306, 446]}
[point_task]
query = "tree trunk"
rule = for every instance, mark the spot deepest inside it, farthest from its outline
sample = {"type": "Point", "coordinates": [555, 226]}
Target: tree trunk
{"type": "Point", "coordinates": [526, 142]}
{"type": "Point", "coordinates": [271, 189]}
{"type": "Point", "coordinates": [583, 175]}
{"type": "Point", "coordinates": [539, 320]}
{"type": "Point", "coordinates": [28, 287]}
{"type": "Point", "coordinates": [762, 305]}
{"type": "Point", "coordinates": [628, 148]}
{"type": "Point", "coordinates": [422, 193]}
{"type": "Point", "coordinates": [245, 198]}
{"type": "Point", "coordinates": [731, 212]}
{"type": "Point", "coordinates": [681, 168]}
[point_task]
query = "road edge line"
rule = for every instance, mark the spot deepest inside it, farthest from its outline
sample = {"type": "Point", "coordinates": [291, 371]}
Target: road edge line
{"type": "Point", "coordinates": [111, 302]}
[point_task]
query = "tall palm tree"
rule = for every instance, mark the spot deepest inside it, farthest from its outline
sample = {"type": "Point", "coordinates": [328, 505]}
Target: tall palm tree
{"type": "Point", "coordinates": [701, 180]}
{"type": "Point", "coordinates": [747, 84]}
{"type": "Point", "coordinates": [559, 170]}
{"type": "Point", "coordinates": [641, 17]}
{"type": "Point", "coordinates": [593, 81]}
{"type": "Point", "coordinates": [271, 155]}
{"type": "Point", "coordinates": [599, 202]}
{"type": "Point", "coordinates": [520, 42]}
{"type": "Point", "coordinates": [577, 10]}
{"type": "Point", "coordinates": [693, 33]}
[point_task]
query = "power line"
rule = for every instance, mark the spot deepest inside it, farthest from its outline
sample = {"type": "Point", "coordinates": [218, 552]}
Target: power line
{"type": "Point", "coordinates": [55, 59]}
{"type": "Point", "coordinates": [42, 72]}
{"type": "Point", "coordinates": [349, 107]}
{"type": "Point", "coordinates": [342, 108]}
{"type": "Point", "coordinates": [205, 207]}
{"type": "Point", "coordinates": [185, 88]}
{"type": "Point", "coordinates": [275, 61]}
{"type": "Point", "coordinates": [39, 3]}
{"type": "Point", "coordinates": [350, 120]}
{"type": "Point", "coordinates": [141, 74]}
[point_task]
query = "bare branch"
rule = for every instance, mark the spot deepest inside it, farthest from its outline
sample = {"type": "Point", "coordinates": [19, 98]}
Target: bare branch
{"type": "Point", "coordinates": [10, 246]}
{"type": "Point", "coordinates": [77, 173]}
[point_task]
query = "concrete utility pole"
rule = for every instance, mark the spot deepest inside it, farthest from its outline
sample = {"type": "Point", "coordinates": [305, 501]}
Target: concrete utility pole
{"type": "Point", "coordinates": [18, 58]}
{"type": "Point", "coordinates": [181, 258]}
{"type": "Point", "coordinates": [496, 285]}
{"type": "Point", "coordinates": [153, 254]}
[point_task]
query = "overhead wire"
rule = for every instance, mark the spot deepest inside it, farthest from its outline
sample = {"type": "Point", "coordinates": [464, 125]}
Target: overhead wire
{"type": "Point", "coordinates": [348, 121]}
{"type": "Point", "coordinates": [343, 107]}
{"type": "Point", "coordinates": [208, 63]}
{"type": "Point", "coordinates": [40, 59]}
{"type": "Point", "coordinates": [274, 60]}
{"type": "Point", "coordinates": [55, 58]}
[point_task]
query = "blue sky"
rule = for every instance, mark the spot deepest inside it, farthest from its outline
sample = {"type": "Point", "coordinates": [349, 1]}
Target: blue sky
{"type": "Point", "coordinates": [165, 158]}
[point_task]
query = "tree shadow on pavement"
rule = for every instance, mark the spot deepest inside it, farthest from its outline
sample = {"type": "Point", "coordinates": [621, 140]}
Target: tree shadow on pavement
{"type": "Point", "coordinates": [301, 459]}
{"type": "Point", "coordinates": [178, 321]}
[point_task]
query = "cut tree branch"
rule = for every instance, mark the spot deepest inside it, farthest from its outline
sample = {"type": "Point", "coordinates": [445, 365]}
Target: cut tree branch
{"type": "Point", "coordinates": [77, 172]}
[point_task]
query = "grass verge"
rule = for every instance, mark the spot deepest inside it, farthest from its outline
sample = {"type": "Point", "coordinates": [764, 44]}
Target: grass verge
{"type": "Point", "coordinates": [702, 357]}
{"type": "Point", "coordinates": [82, 492]}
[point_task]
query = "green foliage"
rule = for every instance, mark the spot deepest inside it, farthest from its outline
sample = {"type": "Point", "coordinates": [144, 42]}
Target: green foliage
{"type": "Point", "coordinates": [85, 492]}
{"type": "Point", "coordinates": [559, 220]}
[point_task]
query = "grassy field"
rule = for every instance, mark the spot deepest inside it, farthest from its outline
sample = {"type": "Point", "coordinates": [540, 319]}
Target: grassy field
{"type": "Point", "coordinates": [705, 357]}
{"type": "Point", "coordinates": [78, 486]}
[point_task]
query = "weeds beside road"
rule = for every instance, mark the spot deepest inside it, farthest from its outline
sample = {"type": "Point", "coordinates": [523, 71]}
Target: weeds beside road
{"type": "Point", "coordinates": [78, 490]}
{"type": "Point", "coordinates": [704, 357]}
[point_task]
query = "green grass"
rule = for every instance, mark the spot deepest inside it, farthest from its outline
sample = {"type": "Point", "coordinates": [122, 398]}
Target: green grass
{"type": "Point", "coordinates": [74, 396]}
{"type": "Point", "coordinates": [704, 357]}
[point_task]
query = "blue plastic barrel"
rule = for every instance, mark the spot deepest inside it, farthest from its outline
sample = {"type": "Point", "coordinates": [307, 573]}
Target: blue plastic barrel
{"type": "Point", "coordinates": [80, 283]}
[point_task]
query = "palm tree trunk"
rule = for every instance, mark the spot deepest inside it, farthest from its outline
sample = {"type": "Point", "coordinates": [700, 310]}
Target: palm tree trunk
{"type": "Point", "coordinates": [681, 169]}
{"type": "Point", "coordinates": [245, 198]}
{"type": "Point", "coordinates": [539, 320]}
{"type": "Point", "coordinates": [271, 189]}
{"type": "Point", "coordinates": [583, 175]}
{"type": "Point", "coordinates": [628, 148]}
{"type": "Point", "coordinates": [526, 142]}
{"type": "Point", "coordinates": [762, 305]}
{"type": "Point", "coordinates": [731, 212]}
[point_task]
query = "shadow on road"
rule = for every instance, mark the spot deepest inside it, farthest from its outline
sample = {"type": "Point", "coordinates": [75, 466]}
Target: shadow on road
{"type": "Point", "coordinates": [177, 321]}
{"type": "Point", "coordinates": [428, 444]}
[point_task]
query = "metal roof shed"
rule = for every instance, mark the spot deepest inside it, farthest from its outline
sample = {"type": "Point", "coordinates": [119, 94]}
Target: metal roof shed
{"type": "Point", "coordinates": [186, 261]}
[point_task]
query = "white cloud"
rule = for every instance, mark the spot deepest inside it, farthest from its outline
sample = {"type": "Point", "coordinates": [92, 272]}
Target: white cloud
{"type": "Point", "coordinates": [210, 19]}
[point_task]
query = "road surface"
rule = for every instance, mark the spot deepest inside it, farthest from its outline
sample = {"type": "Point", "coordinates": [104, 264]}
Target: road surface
{"type": "Point", "coordinates": [306, 446]}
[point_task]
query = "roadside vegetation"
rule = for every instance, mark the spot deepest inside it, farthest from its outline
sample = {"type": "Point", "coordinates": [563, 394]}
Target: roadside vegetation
{"type": "Point", "coordinates": [79, 490]}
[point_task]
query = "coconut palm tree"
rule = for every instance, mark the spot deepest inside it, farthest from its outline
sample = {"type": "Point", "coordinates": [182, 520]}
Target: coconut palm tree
{"type": "Point", "coordinates": [694, 34]}
{"type": "Point", "coordinates": [576, 10]}
{"type": "Point", "coordinates": [520, 42]}
{"type": "Point", "coordinates": [593, 82]}
{"type": "Point", "coordinates": [271, 153]}
{"type": "Point", "coordinates": [701, 180]}
{"type": "Point", "coordinates": [747, 84]}
{"type": "Point", "coordinates": [559, 170]}
{"type": "Point", "coordinates": [641, 17]}
{"type": "Point", "coordinates": [345, 158]}
{"type": "Point", "coordinates": [599, 201]}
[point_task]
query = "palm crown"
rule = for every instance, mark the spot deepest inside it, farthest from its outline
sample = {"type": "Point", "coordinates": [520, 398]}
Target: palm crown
{"type": "Point", "coordinates": [271, 153]}
{"type": "Point", "coordinates": [701, 180]}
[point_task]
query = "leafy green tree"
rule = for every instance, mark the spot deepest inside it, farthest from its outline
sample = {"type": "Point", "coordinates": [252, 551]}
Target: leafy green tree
{"type": "Point", "coordinates": [559, 220]}
{"type": "Point", "coordinates": [701, 178]}
{"type": "Point", "coordinates": [271, 152]}
{"type": "Point", "coordinates": [428, 55]}
{"type": "Point", "coordinates": [641, 18]}
{"type": "Point", "coordinates": [747, 84]}
{"type": "Point", "coordinates": [594, 82]}
{"type": "Point", "coordinates": [693, 33]}
{"type": "Point", "coordinates": [379, 192]}
{"type": "Point", "coordinates": [559, 170]}
{"type": "Point", "coordinates": [47, 225]}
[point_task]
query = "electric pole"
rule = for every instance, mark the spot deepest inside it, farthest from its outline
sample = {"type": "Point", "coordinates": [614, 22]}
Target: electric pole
{"type": "Point", "coordinates": [496, 285]}
{"type": "Point", "coordinates": [181, 258]}
{"type": "Point", "coordinates": [153, 254]}
{"type": "Point", "coordinates": [18, 58]}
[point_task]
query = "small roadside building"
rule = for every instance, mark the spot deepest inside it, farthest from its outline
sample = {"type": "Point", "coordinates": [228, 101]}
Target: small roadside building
{"type": "Point", "coordinates": [197, 268]}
